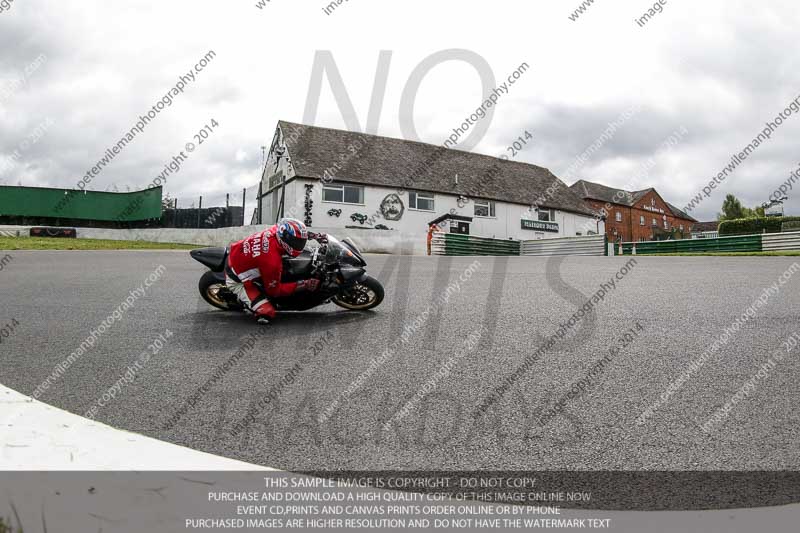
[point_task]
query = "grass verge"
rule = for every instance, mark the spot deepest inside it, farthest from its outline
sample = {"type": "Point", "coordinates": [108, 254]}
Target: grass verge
{"type": "Point", "coordinates": [44, 243]}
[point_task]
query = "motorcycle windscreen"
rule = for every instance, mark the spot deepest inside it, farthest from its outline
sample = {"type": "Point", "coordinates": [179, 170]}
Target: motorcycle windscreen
{"type": "Point", "coordinates": [348, 242]}
{"type": "Point", "coordinates": [339, 253]}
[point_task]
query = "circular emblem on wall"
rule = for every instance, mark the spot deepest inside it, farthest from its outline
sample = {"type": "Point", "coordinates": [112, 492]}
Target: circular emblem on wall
{"type": "Point", "coordinates": [392, 207]}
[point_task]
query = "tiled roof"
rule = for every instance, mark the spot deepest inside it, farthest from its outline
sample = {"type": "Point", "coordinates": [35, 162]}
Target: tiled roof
{"type": "Point", "coordinates": [596, 191]}
{"type": "Point", "coordinates": [397, 163]}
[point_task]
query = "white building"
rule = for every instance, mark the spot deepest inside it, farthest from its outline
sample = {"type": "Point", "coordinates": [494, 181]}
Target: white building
{"type": "Point", "coordinates": [338, 179]}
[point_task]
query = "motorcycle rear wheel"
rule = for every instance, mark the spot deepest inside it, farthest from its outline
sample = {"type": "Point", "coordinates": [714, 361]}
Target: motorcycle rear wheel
{"type": "Point", "coordinates": [364, 295]}
{"type": "Point", "coordinates": [212, 290]}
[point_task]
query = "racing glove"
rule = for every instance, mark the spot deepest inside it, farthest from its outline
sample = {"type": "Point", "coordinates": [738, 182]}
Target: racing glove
{"type": "Point", "coordinates": [308, 285]}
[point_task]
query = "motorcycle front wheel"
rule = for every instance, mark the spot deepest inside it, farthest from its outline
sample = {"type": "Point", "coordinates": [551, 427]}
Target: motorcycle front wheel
{"type": "Point", "coordinates": [364, 295]}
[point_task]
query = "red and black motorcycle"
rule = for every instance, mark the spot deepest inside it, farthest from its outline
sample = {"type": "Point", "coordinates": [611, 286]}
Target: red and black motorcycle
{"type": "Point", "coordinates": [338, 265]}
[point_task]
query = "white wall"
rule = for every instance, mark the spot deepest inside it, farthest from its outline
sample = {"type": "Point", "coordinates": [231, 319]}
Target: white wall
{"type": "Point", "coordinates": [273, 166]}
{"type": "Point", "coordinates": [368, 241]}
{"type": "Point", "coordinates": [507, 222]}
{"type": "Point", "coordinates": [505, 225]}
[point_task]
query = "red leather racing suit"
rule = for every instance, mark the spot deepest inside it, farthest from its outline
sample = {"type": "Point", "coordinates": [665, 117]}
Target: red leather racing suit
{"type": "Point", "coordinates": [258, 257]}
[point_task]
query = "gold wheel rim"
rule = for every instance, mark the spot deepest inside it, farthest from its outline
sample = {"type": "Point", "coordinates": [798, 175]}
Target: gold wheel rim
{"type": "Point", "coordinates": [213, 295]}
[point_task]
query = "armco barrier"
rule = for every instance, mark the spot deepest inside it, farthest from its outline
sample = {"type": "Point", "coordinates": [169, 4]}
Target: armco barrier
{"type": "Point", "coordinates": [455, 244]}
{"type": "Point", "coordinates": [588, 245]}
{"type": "Point", "coordinates": [744, 243]}
{"type": "Point", "coordinates": [780, 241]}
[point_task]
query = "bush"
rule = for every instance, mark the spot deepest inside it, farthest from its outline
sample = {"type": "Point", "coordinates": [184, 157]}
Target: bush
{"type": "Point", "coordinates": [8, 528]}
{"type": "Point", "coordinates": [749, 226]}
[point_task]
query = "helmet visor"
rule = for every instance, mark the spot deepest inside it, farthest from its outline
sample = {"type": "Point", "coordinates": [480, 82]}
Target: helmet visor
{"type": "Point", "coordinates": [295, 243]}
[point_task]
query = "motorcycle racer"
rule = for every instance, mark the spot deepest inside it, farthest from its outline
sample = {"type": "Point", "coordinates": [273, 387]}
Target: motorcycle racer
{"type": "Point", "coordinates": [255, 264]}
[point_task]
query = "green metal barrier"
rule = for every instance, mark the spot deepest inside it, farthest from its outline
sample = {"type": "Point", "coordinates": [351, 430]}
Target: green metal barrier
{"type": "Point", "coordinates": [75, 204]}
{"type": "Point", "coordinates": [745, 243]}
{"type": "Point", "coordinates": [455, 244]}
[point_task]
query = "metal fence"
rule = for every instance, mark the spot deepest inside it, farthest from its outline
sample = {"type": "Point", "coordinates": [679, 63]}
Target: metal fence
{"type": "Point", "coordinates": [739, 243]}
{"type": "Point", "coordinates": [588, 245]}
{"type": "Point", "coordinates": [455, 244]}
{"type": "Point", "coordinates": [780, 241]}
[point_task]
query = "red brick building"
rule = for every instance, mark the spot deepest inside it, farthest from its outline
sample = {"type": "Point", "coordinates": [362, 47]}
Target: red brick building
{"type": "Point", "coordinates": [634, 216]}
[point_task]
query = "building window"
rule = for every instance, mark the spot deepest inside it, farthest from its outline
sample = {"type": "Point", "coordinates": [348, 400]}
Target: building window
{"type": "Point", "coordinates": [547, 215]}
{"type": "Point", "coordinates": [422, 201]}
{"type": "Point", "coordinates": [681, 227]}
{"type": "Point", "coordinates": [619, 216]}
{"type": "Point", "coordinates": [343, 194]}
{"type": "Point", "coordinates": [641, 220]}
{"type": "Point", "coordinates": [666, 224]}
{"type": "Point", "coordinates": [655, 222]}
{"type": "Point", "coordinates": [484, 208]}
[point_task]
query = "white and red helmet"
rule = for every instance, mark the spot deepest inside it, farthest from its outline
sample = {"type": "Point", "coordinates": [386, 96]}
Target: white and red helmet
{"type": "Point", "coordinates": [292, 236]}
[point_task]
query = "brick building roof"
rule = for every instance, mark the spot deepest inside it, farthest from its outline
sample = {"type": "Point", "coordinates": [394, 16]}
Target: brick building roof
{"type": "Point", "coordinates": [597, 191]}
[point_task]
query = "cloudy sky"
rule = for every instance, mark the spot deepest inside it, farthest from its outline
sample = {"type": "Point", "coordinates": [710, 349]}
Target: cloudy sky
{"type": "Point", "coordinates": [75, 76]}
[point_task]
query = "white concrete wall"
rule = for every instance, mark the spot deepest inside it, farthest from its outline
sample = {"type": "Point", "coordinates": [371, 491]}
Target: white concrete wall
{"type": "Point", "coordinates": [367, 240]}
{"type": "Point", "coordinates": [507, 222]}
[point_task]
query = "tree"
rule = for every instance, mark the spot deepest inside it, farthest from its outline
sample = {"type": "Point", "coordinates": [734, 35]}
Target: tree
{"type": "Point", "coordinates": [731, 209]}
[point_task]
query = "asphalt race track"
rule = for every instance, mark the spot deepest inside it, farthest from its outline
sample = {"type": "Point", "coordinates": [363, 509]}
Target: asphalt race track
{"type": "Point", "coordinates": [500, 316]}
